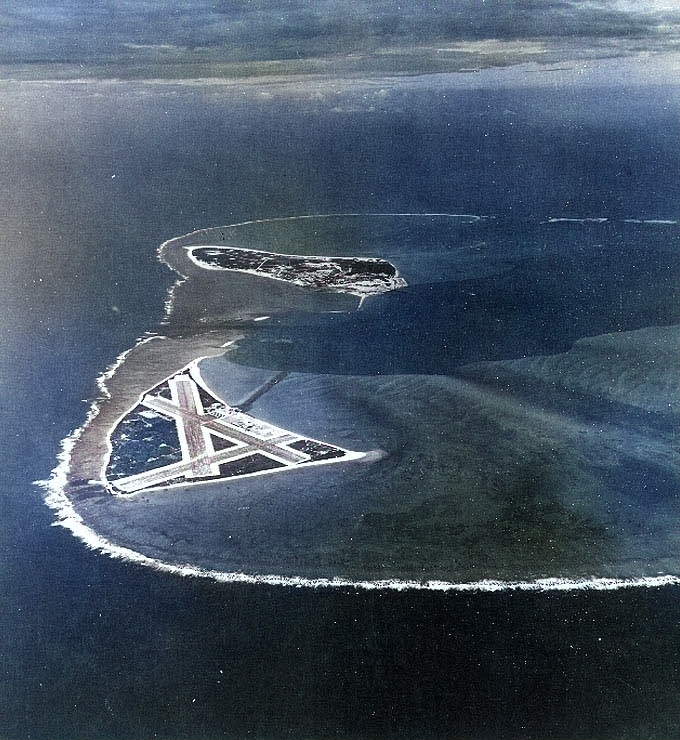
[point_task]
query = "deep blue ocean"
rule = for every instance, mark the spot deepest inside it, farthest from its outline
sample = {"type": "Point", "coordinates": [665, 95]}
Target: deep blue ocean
{"type": "Point", "coordinates": [94, 177]}
{"type": "Point", "coordinates": [500, 289]}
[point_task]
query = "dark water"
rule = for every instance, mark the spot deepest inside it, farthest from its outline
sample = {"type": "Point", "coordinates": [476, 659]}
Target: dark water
{"type": "Point", "coordinates": [95, 648]}
{"type": "Point", "coordinates": [497, 290]}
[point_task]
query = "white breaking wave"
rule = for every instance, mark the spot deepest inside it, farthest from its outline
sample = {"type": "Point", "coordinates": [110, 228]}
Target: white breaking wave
{"type": "Point", "coordinates": [68, 518]}
{"type": "Point", "coordinates": [435, 214]}
{"type": "Point", "coordinates": [560, 220]}
{"type": "Point", "coordinates": [472, 217]}
{"type": "Point", "coordinates": [112, 369]}
{"type": "Point", "coordinates": [604, 219]}
{"type": "Point", "coordinates": [652, 221]}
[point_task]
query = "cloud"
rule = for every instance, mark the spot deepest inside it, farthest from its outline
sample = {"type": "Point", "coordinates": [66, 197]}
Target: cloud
{"type": "Point", "coordinates": [246, 30]}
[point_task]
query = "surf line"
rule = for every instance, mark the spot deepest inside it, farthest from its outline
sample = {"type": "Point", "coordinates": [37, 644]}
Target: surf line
{"type": "Point", "coordinates": [69, 519]}
{"type": "Point", "coordinates": [358, 214]}
{"type": "Point", "coordinates": [469, 217]}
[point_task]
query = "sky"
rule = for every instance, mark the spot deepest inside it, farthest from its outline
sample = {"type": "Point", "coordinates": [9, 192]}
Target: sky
{"type": "Point", "coordinates": [83, 31]}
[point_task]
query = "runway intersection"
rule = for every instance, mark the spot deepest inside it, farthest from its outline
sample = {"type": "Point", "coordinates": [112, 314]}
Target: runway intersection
{"type": "Point", "coordinates": [215, 440]}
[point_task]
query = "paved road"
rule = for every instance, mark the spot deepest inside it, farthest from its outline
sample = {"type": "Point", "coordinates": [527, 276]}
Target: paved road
{"type": "Point", "coordinates": [196, 442]}
{"type": "Point", "coordinates": [199, 458]}
{"type": "Point", "coordinates": [160, 476]}
{"type": "Point", "coordinates": [225, 429]}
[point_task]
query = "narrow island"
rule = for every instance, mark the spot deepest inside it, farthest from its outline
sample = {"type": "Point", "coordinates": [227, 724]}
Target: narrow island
{"type": "Point", "coordinates": [356, 276]}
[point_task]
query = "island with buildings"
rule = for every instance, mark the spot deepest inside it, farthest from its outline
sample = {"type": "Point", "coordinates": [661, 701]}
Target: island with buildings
{"type": "Point", "coordinates": [180, 433]}
{"type": "Point", "coordinates": [356, 276]}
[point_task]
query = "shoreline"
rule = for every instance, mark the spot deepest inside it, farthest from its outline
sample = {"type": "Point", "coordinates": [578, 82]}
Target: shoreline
{"type": "Point", "coordinates": [68, 518]}
{"type": "Point", "coordinates": [123, 384]}
{"type": "Point", "coordinates": [153, 507]}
